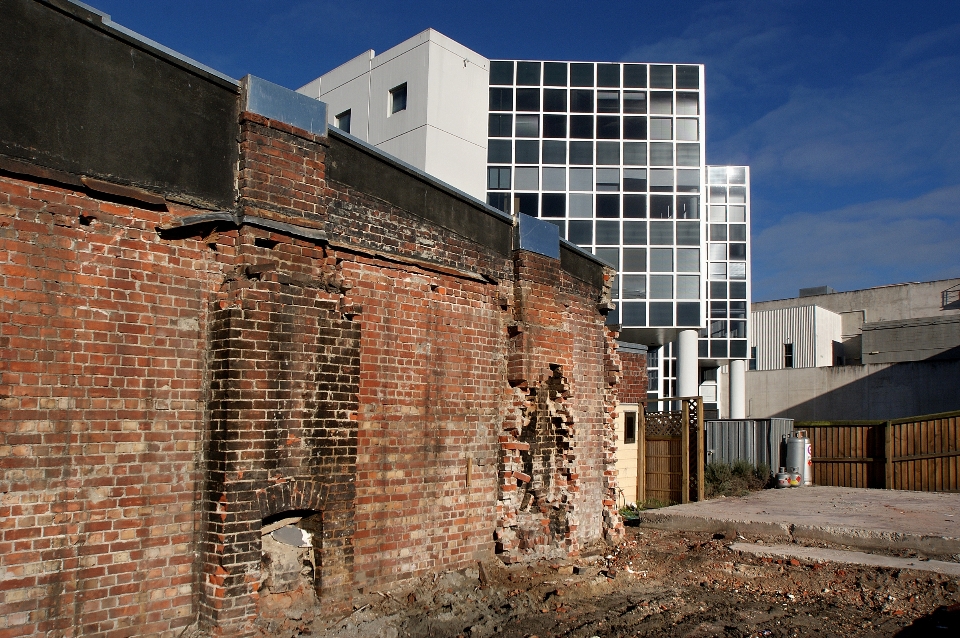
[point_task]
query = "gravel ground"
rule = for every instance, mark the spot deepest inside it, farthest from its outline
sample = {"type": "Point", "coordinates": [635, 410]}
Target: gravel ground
{"type": "Point", "coordinates": [657, 583]}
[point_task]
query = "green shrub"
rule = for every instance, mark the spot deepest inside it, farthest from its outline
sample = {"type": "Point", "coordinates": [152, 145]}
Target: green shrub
{"type": "Point", "coordinates": [721, 479]}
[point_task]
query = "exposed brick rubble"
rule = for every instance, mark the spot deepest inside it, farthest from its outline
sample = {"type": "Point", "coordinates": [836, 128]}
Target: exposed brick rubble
{"type": "Point", "coordinates": [409, 397]}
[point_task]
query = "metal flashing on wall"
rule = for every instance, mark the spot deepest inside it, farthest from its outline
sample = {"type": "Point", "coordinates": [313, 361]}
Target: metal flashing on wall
{"type": "Point", "coordinates": [280, 103]}
{"type": "Point", "coordinates": [537, 236]}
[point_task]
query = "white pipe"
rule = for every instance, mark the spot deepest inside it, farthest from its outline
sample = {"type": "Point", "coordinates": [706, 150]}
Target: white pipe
{"type": "Point", "coordinates": [738, 389]}
{"type": "Point", "coordinates": [688, 373]}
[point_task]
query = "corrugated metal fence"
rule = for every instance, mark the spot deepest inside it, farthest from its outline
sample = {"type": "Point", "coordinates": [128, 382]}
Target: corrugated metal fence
{"type": "Point", "coordinates": [919, 453]}
{"type": "Point", "coordinates": [754, 440]}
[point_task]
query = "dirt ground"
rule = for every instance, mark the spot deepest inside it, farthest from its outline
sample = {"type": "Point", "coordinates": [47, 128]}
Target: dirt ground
{"type": "Point", "coordinates": [658, 583]}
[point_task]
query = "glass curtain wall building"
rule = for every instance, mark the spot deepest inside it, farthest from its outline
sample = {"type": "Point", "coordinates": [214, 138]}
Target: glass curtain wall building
{"type": "Point", "coordinates": [611, 153]}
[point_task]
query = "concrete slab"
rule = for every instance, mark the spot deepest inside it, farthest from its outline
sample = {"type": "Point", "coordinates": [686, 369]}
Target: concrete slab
{"type": "Point", "coordinates": [868, 519]}
{"type": "Point", "coordinates": [820, 554]}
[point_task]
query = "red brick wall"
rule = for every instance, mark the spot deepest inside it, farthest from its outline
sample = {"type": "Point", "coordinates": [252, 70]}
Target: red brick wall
{"type": "Point", "coordinates": [633, 385]}
{"type": "Point", "coordinates": [162, 394]}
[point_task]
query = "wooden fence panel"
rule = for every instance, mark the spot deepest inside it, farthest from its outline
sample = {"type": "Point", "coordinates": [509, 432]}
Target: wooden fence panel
{"type": "Point", "coordinates": [918, 453]}
{"type": "Point", "coordinates": [663, 469]}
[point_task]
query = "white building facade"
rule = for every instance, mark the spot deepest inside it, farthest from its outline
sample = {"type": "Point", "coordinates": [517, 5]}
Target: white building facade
{"type": "Point", "coordinates": [611, 153]}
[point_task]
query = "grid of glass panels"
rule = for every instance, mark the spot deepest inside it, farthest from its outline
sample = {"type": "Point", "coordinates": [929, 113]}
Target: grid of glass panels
{"type": "Point", "coordinates": [728, 266]}
{"type": "Point", "coordinates": [613, 155]}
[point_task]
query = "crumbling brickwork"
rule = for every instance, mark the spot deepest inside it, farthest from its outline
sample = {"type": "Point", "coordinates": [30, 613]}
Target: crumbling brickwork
{"type": "Point", "coordinates": [633, 385]}
{"type": "Point", "coordinates": [176, 381]}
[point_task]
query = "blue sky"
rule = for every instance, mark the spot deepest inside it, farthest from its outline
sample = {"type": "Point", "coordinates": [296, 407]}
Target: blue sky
{"type": "Point", "coordinates": [847, 112]}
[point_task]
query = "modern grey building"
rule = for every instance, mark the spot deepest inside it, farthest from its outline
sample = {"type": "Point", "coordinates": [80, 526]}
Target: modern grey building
{"type": "Point", "coordinates": [611, 153]}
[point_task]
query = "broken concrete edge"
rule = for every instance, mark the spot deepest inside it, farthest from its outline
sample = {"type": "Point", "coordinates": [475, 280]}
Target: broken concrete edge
{"type": "Point", "coordinates": [847, 536]}
{"type": "Point", "coordinates": [820, 555]}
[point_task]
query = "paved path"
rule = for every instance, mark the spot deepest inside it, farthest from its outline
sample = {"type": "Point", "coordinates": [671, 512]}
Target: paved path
{"type": "Point", "coordinates": [869, 519]}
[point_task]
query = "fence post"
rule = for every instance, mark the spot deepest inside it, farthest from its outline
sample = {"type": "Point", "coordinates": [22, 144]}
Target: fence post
{"type": "Point", "coordinates": [701, 453]}
{"type": "Point", "coordinates": [641, 454]}
{"type": "Point", "coordinates": [685, 451]}
{"type": "Point", "coordinates": [888, 454]}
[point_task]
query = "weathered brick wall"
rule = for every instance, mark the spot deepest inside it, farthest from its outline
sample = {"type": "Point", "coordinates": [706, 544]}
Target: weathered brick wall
{"type": "Point", "coordinates": [167, 394]}
{"type": "Point", "coordinates": [102, 363]}
{"type": "Point", "coordinates": [633, 385]}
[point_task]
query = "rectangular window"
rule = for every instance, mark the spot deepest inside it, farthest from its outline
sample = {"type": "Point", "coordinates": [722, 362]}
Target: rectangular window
{"type": "Point", "coordinates": [608, 127]}
{"type": "Point", "coordinates": [581, 127]}
{"type": "Point", "coordinates": [738, 252]}
{"type": "Point", "coordinates": [661, 154]}
{"type": "Point", "coordinates": [501, 72]}
{"type": "Point", "coordinates": [527, 179]}
{"type": "Point", "coordinates": [661, 260]}
{"type": "Point", "coordinates": [661, 314]}
{"type": "Point", "coordinates": [499, 152]}
{"type": "Point", "coordinates": [398, 98]}
{"type": "Point", "coordinates": [687, 129]}
{"type": "Point", "coordinates": [635, 128]}
{"type": "Point", "coordinates": [554, 179]}
{"type": "Point", "coordinates": [528, 73]}
{"type": "Point", "coordinates": [635, 102]}
{"type": "Point", "coordinates": [661, 102]}
{"type": "Point", "coordinates": [634, 313]}
{"type": "Point", "coordinates": [661, 207]}
{"type": "Point", "coordinates": [753, 358]}
{"type": "Point", "coordinates": [718, 252]}
{"type": "Point", "coordinates": [661, 76]}
{"type": "Point", "coordinates": [529, 100]}
{"type": "Point", "coordinates": [528, 126]}
{"type": "Point", "coordinates": [526, 203]}
{"type": "Point", "coordinates": [608, 179]}
{"type": "Point", "coordinates": [718, 271]}
{"type": "Point", "coordinates": [634, 153]}
{"type": "Point", "coordinates": [634, 260]}
{"type": "Point", "coordinates": [738, 232]}
{"type": "Point", "coordinates": [788, 355]}
{"type": "Point", "coordinates": [608, 232]}
{"type": "Point", "coordinates": [688, 154]}
{"type": "Point", "coordinates": [661, 128]}
{"type": "Point", "coordinates": [581, 100]}
{"type": "Point", "coordinates": [688, 207]}
{"type": "Point", "coordinates": [738, 290]}
{"type": "Point", "coordinates": [635, 206]}
{"type": "Point", "coordinates": [635, 180]}
{"type": "Point", "coordinates": [718, 232]}
{"type": "Point", "coordinates": [527, 151]}
{"type": "Point", "coordinates": [501, 99]}
{"type": "Point", "coordinates": [688, 233]}
{"type": "Point", "coordinates": [581, 74]}
{"type": "Point", "coordinates": [553, 204]}
{"type": "Point", "coordinates": [635, 76]}
{"type": "Point", "coordinates": [608, 206]}
{"type": "Point", "coordinates": [608, 101]}
{"type": "Point", "coordinates": [661, 180]}
{"type": "Point", "coordinates": [581, 232]}
{"type": "Point", "coordinates": [608, 153]}
{"type": "Point", "coordinates": [629, 428]}
{"type": "Point", "coordinates": [500, 125]}
{"type": "Point", "coordinates": [555, 126]}
{"type": "Point", "coordinates": [661, 233]}
{"type": "Point", "coordinates": [581, 205]}
{"type": "Point", "coordinates": [738, 309]}
{"type": "Point", "coordinates": [688, 181]}
{"type": "Point", "coordinates": [718, 213]}
{"type": "Point", "coordinates": [581, 152]}
{"type": "Point", "coordinates": [738, 213]}
{"type": "Point", "coordinates": [688, 76]}
{"type": "Point", "coordinates": [718, 329]}
{"type": "Point", "coordinates": [688, 260]}
{"type": "Point", "coordinates": [634, 287]}
{"type": "Point", "coordinates": [554, 152]}
{"type": "Point", "coordinates": [499, 201]}
{"type": "Point", "coordinates": [688, 104]}
{"type": "Point", "coordinates": [634, 233]}
{"type": "Point", "coordinates": [612, 257]}
{"type": "Point", "coordinates": [498, 178]}
{"type": "Point", "coordinates": [738, 329]}
{"type": "Point", "coordinates": [718, 309]}
{"type": "Point", "coordinates": [555, 100]}
{"type": "Point", "coordinates": [555, 73]}
{"type": "Point", "coordinates": [581, 179]}
{"type": "Point", "coordinates": [738, 270]}
{"type": "Point", "coordinates": [343, 121]}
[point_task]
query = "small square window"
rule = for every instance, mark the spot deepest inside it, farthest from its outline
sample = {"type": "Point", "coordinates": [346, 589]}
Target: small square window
{"type": "Point", "coordinates": [635, 102]}
{"type": "Point", "coordinates": [738, 195]}
{"type": "Point", "coordinates": [635, 76]}
{"type": "Point", "coordinates": [718, 251]}
{"type": "Point", "coordinates": [555, 126]}
{"type": "Point", "coordinates": [608, 206]}
{"type": "Point", "coordinates": [718, 194]}
{"type": "Point", "coordinates": [529, 100]}
{"type": "Point", "coordinates": [501, 72]}
{"type": "Point", "coordinates": [738, 270]}
{"type": "Point", "coordinates": [608, 75]}
{"type": "Point", "coordinates": [528, 126]}
{"type": "Point", "coordinates": [661, 260]}
{"type": "Point", "coordinates": [688, 233]}
{"type": "Point", "coordinates": [688, 207]}
{"type": "Point", "coordinates": [661, 233]}
{"type": "Point", "coordinates": [527, 151]}
{"type": "Point", "coordinates": [501, 99]}
{"type": "Point", "coordinates": [635, 180]}
{"type": "Point", "coordinates": [635, 206]}
{"type": "Point", "coordinates": [738, 214]}
{"type": "Point", "coordinates": [661, 76]}
{"type": "Point", "coordinates": [608, 232]}
{"type": "Point", "coordinates": [555, 73]}
{"type": "Point", "coordinates": [634, 128]}
{"type": "Point", "coordinates": [661, 128]}
{"type": "Point", "coordinates": [581, 179]}
{"type": "Point", "coordinates": [661, 154]}
{"type": "Point", "coordinates": [612, 257]}
{"type": "Point", "coordinates": [608, 179]}
{"type": "Point", "coordinates": [738, 348]}
{"type": "Point", "coordinates": [718, 309]}
{"type": "Point", "coordinates": [553, 205]}
{"type": "Point", "coordinates": [581, 100]}
{"type": "Point", "coordinates": [718, 270]}
{"type": "Point", "coordinates": [688, 314]}
{"type": "Point", "coordinates": [688, 129]}
{"type": "Point", "coordinates": [737, 174]}
{"type": "Point", "coordinates": [581, 152]}
{"type": "Point", "coordinates": [555, 100]}
{"type": "Point", "coordinates": [688, 76]}
{"type": "Point", "coordinates": [688, 155]}
{"type": "Point", "coordinates": [554, 152]}
{"type": "Point", "coordinates": [581, 232]}
{"type": "Point", "coordinates": [634, 153]}
{"type": "Point", "coordinates": [634, 259]}
{"type": "Point", "coordinates": [661, 207]}
{"type": "Point", "coordinates": [500, 201]}
{"type": "Point", "coordinates": [498, 178]}
{"type": "Point", "coordinates": [661, 314]}
{"type": "Point", "coordinates": [608, 153]}
{"type": "Point", "coordinates": [500, 125]}
{"type": "Point", "coordinates": [661, 180]}
{"type": "Point", "coordinates": [634, 313]}
{"type": "Point", "coordinates": [398, 98]}
{"type": "Point", "coordinates": [688, 181]}
{"type": "Point", "coordinates": [527, 179]}
{"type": "Point", "coordinates": [608, 101]}
{"type": "Point", "coordinates": [718, 348]}
{"type": "Point", "coordinates": [661, 286]}
{"type": "Point", "coordinates": [738, 309]}
{"type": "Point", "coordinates": [581, 74]}
{"type": "Point", "coordinates": [528, 73]}
{"type": "Point", "coordinates": [608, 127]}
{"type": "Point", "coordinates": [688, 260]}
{"type": "Point", "coordinates": [718, 213]}
{"type": "Point", "coordinates": [718, 232]}
{"type": "Point", "coordinates": [343, 121]}
{"type": "Point", "coordinates": [581, 205]}
{"type": "Point", "coordinates": [738, 232]}
{"type": "Point", "coordinates": [718, 290]}
{"type": "Point", "coordinates": [738, 290]}
{"type": "Point", "coordinates": [688, 104]}
{"type": "Point", "coordinates": [634, 287]}
{"type": "Point", "coordinates": [554, 179]}
{"type": "Point", "coordinates": [634, 233]}
{"type": "Point", "coordinates": [581, 127]}
{"type": "Point", "coordinates": [717, 175]}
{"type": "Point", "coordinates": [526, 203]}
{"type": "Point", "coordinates": [661, 102]}
{"type": "Point", "coordinates": [738, 329]}
{"type": "Point", "coordinates": [499, 152]}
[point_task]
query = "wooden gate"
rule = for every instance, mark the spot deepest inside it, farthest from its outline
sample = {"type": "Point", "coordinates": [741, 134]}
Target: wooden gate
{"type": "Point", "coordinates": [671, 448]}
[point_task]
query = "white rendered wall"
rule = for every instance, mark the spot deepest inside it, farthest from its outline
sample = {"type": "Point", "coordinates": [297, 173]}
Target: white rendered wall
{"type": "Point", "coordinates": [442, 131]}
{"type": "Point", "coordinates": [810, 329]}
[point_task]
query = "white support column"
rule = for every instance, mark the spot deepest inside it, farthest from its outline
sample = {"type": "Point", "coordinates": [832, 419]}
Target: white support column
{"type": "Point", "coordinates": [738, 389]}
{"type": "Point", "coordinates": [688, 373]}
